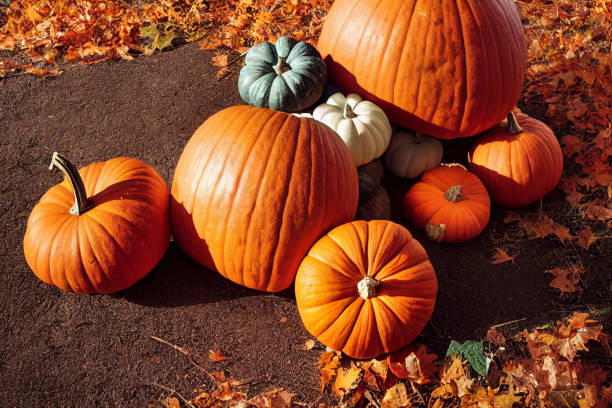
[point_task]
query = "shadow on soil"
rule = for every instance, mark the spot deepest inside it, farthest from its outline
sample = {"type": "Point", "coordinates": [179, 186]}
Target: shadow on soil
{"type": "Point", "coordinates": [179, 281]}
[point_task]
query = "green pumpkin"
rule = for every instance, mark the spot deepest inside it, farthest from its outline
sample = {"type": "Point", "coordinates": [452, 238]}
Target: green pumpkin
{"type": "Point", "coordinates": [289, 76]}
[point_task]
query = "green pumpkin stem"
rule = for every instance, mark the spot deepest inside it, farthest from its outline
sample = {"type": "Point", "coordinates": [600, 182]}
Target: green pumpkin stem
{"type": "Point", "coordinates": [81, 203]}
{"type": "Point", "coordinates": [281, 67]}
{"type": "Point", "coordinates": [513, 125]}
{"type": "Point", "coordinates": [366, 287]}
{"type": "Point", "coordinates": [453, 194]}
{"type": "Point", "coordinates": [348, 112]}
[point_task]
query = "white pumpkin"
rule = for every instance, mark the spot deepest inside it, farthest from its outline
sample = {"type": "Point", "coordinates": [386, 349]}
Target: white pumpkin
{"type": "Point", "coordinates": [411, 154]}
{"type": "Point", "coordinates": [362, 125]}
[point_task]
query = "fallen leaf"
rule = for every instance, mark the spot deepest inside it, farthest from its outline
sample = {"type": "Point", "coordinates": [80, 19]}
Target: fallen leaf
{"type": "Point", "coordinates": [413, 363]}
{"type": "Point", "coordinates": [308, 345]}
{"type": "Point", "coordinates": [171, 402]}
{"type": "Point", "coordinates": [396, 397]}
{"type": "Point", "coordinates": [501, 256]}
{"type": "Point", "coordinates": [347, 380]}
{"type": "Point", "coordinates": [216, 356]}
{"type": "Point", "coordinates": [586, 238]}
{"type": "Point", "coordinates": [328, 365]}
{"type": "Point", "coordinates": [566, 280]}
{"type": "Point", "coordinates": [496, 337]}
{"type": "Point", "coordinates": [220, 60]}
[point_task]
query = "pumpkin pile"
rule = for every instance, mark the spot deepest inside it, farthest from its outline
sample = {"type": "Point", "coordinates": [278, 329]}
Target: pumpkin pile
{"type": "Point", "coordinates": [266, 194]}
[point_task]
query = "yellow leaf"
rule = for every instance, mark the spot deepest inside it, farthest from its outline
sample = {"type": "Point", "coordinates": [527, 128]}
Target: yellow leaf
{"type": "Point", "coordinates": [396, 397]}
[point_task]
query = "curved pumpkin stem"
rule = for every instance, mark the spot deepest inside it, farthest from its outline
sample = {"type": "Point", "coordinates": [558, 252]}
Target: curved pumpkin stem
{"type": "Point", "coordinates": [366, 287]}
{"type": "Point", "coordinates": [417, 137]}
{"type": "Point", "coordinates": [281, 66]}
{"type": "Point", "coordinates": [81, 203]}
{"type": "Point", "coordinates": [513, 125]}
{"type": "Point", "coordinates": [348, 112]}
{"type": "Point", "coordinates": [453, 194]}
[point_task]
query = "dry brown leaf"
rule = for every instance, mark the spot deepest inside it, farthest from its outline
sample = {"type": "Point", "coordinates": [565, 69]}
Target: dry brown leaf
{"type": "Point", "coordinates": [328, 365]}
{"type": "Point", "coordinates": [396, 397]}
{"type": "Point", "coordinates": [308, 345]}
{"type": "Point", "coordinates": [501, 256]}
{"type": "Point", "coordinates": [216, 356]}
{"type": "Point", "coordinates": [413, 363]}
{"type": "Point", "coordinates": [171, 402]}
{"type": "Point", "coordinates": [496, 337]}
{"type": "Point", "coordinates": [586, 238]}
{"type": "Point", "coordinates": [347, 380]}
{"type": "Point", "coordinates": [220, 60]}
{"type": "Point", "coordinates": [566, 280]}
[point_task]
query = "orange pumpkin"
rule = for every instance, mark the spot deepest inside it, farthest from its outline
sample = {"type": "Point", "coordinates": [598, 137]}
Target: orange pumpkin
{"type": "Point", "coordinates": [450, 203]}
{"type": "Point", "coordinates": [255, 188]}
{"type": "Point", "coordinates": [519, 161]}
{"type": "Point", "coordinates": [102, 229]}
{"type": "Point", "coordinates": [366, 288]}
{"type": "Point", "coordinates": [443, 68]}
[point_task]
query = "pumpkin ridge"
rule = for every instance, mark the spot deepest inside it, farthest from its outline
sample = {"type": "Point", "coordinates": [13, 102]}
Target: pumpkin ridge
{"type": "Point", "coordinates": [358, 271]}
{"type": "Point", "coordinates": [136, 227]}
{"type": "Point", "coordinates": [239, 182]}
{"type": "Point", "coordinates": [389, 34]}
{"type": "Point", "coordinates": [54, 243]}
{"type": "Point", "coordinates": [193, 188]}
{"type": "Point", "coordinates": [314, 141]}
{"type": "Point", "coordinates": [490, 60]}
{"type": "Point", "coordinates": [343, 321]}
{"type": "Point", "coordinates": [281, 214]}
{"type": "Point", "coordinates": [365, 27]}
{"type": "Point", "coordinates": [90, 285]}
{"type": "Point", "coordinates": [219, 176]}
{"type": "Point", "coordinates": [466, 107]}
{"type": "Point", "coordinates": [364, 245]}
{"type": "Point", "coordinates": [325, 262]}
{"type": "Point", "coordinates": [87, 228]}
{"type": "Point", "coordinates": [402, 53]}
{"type": "Point", "coordinates": [372, 257]}
{"type": "Point", "coordinates": [133, 275]}
{"type": "Point", "coordinates": [259, 189]}
{"type": "Point", "coordinates": [388, 312]}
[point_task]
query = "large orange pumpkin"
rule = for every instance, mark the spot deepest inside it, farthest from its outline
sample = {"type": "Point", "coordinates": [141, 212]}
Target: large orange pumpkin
{"type": "Point", "coordinates": [102, 229]}
{"type": "Point", "coordinates": [254, 188]}
{"type": "Point", "coordinates": [519, 161]}
{"type": "Point", "coordinates": [450, 203]}
{"type": "Point", "coordinates": [366, 288]}
{"type": "Point", "coordinates": [443, 68]}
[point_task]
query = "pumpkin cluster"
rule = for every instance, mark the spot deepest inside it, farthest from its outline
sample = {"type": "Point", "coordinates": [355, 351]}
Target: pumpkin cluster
{"type": "Point", "coordinates": [280, 191]}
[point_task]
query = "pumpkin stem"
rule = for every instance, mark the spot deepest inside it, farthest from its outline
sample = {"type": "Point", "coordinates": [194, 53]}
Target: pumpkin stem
{"type": "Point", "coordinates": [513, 125]}
{"type": "Point", "coordinates": [417, 137]}
{"type": "Point", "coordinates": [81, 203]}
{"type": "Point", "coordinates": [281, 67]}
{"type": "Point", "coordinates": [435, 232]}
{"type": "Point", "coordinates": [366, 286]}
{"type": "Point", "coordinates": [453, 194]}
{"type": "Point", "coordinates": [348, 112]}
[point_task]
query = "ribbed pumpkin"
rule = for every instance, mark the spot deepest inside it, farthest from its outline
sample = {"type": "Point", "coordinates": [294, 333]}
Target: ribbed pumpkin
{"type": "Point", "coordinates": [288, 76]}
{"type": "Point", "coordinates": [450, 203]}
{"type": "Point", "coordinates": [519, 161]}
{"type": "Point", "coordinates": [363, 126]}
{"type": "Point", "coordinates": [366, 288]}
{"type": "Point", "coordinates": [443, 68]}
{"type": "Point", "coordinates": [255, 188]}
{"type": "Point", "coordinates": [411, 154]}
{"type": "Point", "coordinates": [100, 230]}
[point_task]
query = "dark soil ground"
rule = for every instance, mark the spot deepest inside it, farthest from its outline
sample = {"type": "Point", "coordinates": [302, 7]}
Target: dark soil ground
{"type": "Point", "coordinates": [62, 349]}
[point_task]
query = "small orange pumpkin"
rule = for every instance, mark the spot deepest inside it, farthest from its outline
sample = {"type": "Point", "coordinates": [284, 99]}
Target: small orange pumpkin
{"type": "Point", "coordinates": [519, 162]}
{"type": "Point", "coordinates": [100, 230]}
{"type": "Point", "coordinates": [450, 203]}
{"type": "Point", "coordinates": [366, 288]}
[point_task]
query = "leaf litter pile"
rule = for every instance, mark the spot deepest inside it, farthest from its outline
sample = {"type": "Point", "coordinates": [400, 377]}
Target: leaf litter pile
{"type": "Point", "coordinates": [568, 85]}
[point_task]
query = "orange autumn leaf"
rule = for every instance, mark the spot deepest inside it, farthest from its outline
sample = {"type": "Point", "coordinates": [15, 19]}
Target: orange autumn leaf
{"type": "Point", "coordinates": [216, 356]}
{"type": "Point", "coordinates": [396, 397]}
{"type": "Point", "coordinates": [347, 380]}
{"type": "Point", "coordinates": [586, 238]}
{"type": "Point", "coordinates": [572, 145]}
{"type": "Point", "coordinates": [328, 365]}
{"type": "Point", "coordinates": [413, 363]}
{"type": "Point", "coordinates": [501, 256]}
{"type": "Point", "coordinates": [308, 345]}
{"type": "Point", "coordinates": [220, 60]}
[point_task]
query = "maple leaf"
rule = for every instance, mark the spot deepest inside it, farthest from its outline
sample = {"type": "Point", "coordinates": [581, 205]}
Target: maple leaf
{"type": "Point", "coordinates": [572, 145]}
{"type": "Point", "coordinates": [328, 365]}
{"type": "Point", "coordinates": [276, 398]}
{"type": "Point", "coordinates": [496, 337]}
{"type": "Point", "coordinates": [413, 363]}
{"type": "Point", "coordinates": [347, 380]}
{"type": "Point", "coordinates": [501, 256]}
{"type": "Point", "coordinates": [396, 397]}
{"type": "Point", "coordinates": [216, 356]}
{"type": "Point", "coordinates": [566, 280]}
{"type": "Point", "coordinates": [586, 238]}
{"type": "Point", "coordinates": [219, 60]}
{"type": "Point", "coordinates": [597, 212]}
